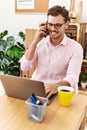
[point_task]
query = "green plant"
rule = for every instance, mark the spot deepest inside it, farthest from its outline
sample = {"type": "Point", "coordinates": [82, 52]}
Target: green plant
{"type": "Point", "coordinates": [83, 77]}
{"type": "Point", "coordinates": [10, 53]}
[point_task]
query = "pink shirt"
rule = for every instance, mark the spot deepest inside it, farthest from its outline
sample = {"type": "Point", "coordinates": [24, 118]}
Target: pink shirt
{"type": "Point", "coordinates": [56, 63]}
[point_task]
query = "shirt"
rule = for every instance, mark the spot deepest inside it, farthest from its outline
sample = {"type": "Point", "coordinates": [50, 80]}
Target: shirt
{"type": "Point", "coordinates": [56, 63]}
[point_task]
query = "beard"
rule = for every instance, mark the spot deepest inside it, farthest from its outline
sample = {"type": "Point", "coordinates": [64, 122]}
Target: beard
{"type": "Point", "coordinates": [55, 35]}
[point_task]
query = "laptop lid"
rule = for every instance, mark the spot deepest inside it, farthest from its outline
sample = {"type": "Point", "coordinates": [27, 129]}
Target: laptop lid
{"type": "Point", "coordinates": [22, 88]}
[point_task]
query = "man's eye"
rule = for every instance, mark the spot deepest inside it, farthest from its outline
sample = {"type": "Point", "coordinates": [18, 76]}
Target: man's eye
{"type": "Point", "coordinates": [58, 25]}
{"type": "Point", "coordinates": [50, 24]}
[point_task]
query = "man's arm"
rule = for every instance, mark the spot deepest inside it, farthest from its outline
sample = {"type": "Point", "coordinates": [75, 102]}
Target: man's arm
{"type": "Point", "coordinates": [28, 59]}
{"type": "Point", "coordinates": [38, 37]}
{"type": "Point", "coordinates": [30, 51]}
{"type": "Point", "coordinates": [72, 74]}
{"type": "Point", "coordinates": [52, 88]}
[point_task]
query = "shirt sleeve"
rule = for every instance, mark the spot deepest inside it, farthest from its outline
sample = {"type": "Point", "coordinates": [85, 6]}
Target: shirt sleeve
{"type": "Point", "coordinates": [26, 64]}
{"type": "Point", "coordinates": [74, 67]}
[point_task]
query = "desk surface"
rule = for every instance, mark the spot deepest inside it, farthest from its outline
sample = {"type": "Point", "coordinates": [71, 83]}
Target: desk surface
{"type": "Point", "coordinates": [13, 115]}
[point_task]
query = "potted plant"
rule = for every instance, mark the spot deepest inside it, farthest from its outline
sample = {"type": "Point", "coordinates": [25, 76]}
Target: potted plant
{"type": "Point", "coordinates": [83, 78]}
{"type": "Point", "coordinates": [11, 50]}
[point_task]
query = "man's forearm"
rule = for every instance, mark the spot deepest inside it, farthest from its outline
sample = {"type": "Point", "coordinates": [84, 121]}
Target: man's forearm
{"type": "Point", "coordinates": [52, 88]}
{"type": "Point", "coordinates": [30, 52]}
{"type": "Point", "coordinates": [63, 83]}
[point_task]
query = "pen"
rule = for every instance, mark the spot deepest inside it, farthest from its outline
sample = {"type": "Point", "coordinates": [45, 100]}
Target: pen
{"type": "Point", "coordinates": [34, 100]}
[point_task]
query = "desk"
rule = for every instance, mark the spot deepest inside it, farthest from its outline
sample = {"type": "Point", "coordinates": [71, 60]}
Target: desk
{"type": "Point", "coordinates": [13, 115]}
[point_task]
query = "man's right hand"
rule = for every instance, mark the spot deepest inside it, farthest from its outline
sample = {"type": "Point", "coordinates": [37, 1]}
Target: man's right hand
{"type": "Point", "coordinates": [40, 33]}
{"type": "Point", "coordinates": [37, 38]}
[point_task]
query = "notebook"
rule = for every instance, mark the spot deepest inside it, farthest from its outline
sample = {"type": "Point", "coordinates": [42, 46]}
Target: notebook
{"type": "Point", "coordinates": [22, 88]}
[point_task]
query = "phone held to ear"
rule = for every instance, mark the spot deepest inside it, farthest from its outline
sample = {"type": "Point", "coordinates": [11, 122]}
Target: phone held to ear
{"type": "Point", "coordinates": [46, 32]}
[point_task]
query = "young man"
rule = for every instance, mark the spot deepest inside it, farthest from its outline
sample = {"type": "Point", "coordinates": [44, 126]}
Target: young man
{"type": "Point", "coordinates": [59, 57]}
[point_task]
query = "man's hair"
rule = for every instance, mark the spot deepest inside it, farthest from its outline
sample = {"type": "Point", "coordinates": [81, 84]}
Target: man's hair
{"type": "Point", "coordinates": [58, 10]}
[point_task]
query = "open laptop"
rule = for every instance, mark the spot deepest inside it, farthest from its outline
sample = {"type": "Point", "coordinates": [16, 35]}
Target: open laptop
{"type": "Point", "coordinates": [22, 88]}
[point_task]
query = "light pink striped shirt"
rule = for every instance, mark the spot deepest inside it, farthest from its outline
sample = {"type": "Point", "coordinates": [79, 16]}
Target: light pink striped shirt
{"type": "Point", "coordinates": [56, 63]}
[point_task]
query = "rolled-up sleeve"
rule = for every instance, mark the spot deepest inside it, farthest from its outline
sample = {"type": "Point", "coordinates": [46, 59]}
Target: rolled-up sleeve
{"type": "Point", "coordinates": [25, 64]}
{"type": "Point", "coordinates": [74, 67]}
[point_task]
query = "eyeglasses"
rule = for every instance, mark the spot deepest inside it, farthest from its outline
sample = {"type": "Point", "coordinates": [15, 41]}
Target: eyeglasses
{"type": "Point", "coordinates": [57, 25]}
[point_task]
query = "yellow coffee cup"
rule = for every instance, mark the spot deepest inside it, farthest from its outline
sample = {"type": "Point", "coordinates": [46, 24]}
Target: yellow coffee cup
{"type": "Point", "coordinates": [65, 94]}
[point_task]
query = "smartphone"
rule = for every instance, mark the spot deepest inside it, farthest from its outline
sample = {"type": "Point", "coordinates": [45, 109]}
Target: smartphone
{"type": "Point", "coordinates": [47, 31]}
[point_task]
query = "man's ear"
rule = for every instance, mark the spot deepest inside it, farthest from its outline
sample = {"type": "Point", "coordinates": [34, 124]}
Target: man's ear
{"type": "Point", "coordinates": [67, 24]}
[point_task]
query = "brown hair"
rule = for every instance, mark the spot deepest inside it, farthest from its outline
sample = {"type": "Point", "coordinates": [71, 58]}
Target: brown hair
{"type": "Point", "coordinates": [58, 10]}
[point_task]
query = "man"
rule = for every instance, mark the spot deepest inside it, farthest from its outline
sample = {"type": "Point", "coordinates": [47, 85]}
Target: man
{"type": "Point", "coordinates": [59, 57]}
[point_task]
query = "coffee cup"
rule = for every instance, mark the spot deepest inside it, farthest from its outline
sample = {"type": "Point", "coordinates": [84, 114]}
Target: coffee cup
{"type": "Point", "coordinates": [65, 94]}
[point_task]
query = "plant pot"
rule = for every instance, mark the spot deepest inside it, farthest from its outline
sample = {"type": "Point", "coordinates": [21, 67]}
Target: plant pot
{"type": "Point", "coordinates": [83, 85]}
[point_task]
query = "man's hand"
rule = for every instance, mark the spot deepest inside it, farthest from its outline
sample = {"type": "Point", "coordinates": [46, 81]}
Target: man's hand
{"type": "Point", "coordinates": [37, 38]}
{"type": "Point", "coordinates": [40, 33]}
{"type": "Point", "coordinates": [51, 89]}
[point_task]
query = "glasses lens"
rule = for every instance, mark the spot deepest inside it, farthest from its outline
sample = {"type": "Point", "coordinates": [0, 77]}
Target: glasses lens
{"type": "Point", "coordinates": [57, 25]}
{"type": "Point", "coordinates": [49, 24]}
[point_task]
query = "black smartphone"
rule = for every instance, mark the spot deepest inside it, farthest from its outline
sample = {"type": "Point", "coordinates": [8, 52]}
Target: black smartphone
{"type": "Point", "coordinates": [46, 28]}
{"type": "Point", "coordinates": [47, 31]}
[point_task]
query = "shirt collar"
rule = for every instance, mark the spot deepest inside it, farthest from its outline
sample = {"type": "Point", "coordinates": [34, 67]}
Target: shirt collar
{"type": "Point", "coordinates": [63, 42]}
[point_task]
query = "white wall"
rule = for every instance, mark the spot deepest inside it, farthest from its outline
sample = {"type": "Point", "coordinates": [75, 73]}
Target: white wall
{"type": "Point", "coordinates": [19, 22]}
{"type": "Point", "coordinates": [84, 10]}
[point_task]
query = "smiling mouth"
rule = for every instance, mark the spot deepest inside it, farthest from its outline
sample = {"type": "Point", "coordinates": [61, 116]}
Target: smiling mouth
{"type": "Point", "coordinates": [53, 33]}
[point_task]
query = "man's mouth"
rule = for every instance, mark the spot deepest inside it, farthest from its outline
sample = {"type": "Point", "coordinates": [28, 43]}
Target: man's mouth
{"type": "Point", "coordinates": [53, 32]}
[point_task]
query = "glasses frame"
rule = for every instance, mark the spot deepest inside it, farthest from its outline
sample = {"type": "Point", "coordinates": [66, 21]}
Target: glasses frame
{"type": "Point", "coordinates": [57, 25]}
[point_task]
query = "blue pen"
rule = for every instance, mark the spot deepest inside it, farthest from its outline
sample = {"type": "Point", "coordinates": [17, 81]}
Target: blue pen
{"type": "Point", "coordinates": [33, 99]}
{"type": "Point", "coordinates": [34, 96]}
{"type": "Point", "coordinates": [34, 108]}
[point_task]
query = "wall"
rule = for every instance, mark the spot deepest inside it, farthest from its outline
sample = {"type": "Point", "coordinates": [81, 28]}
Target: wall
{"type": "Point", "coordinates": [84, 14]}
{"type": "Point", "coordinates": [19, 22]}
{"type": "Point", "coordinates": [16, 22]}
{"type": "Point", "coordinates": [84, 9]}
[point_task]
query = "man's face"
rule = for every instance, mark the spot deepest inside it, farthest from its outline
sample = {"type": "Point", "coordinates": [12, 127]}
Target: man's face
{"type": "Point", "coordinates": [56, 26]}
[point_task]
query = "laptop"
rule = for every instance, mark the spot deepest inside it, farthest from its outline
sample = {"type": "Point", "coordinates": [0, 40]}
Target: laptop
{"type": "Point", "coordinates": [22, 88]}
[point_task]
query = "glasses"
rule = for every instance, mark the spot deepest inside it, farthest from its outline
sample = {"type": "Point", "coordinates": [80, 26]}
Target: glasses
{"type": "Point", "coordinates": [57, 25]}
